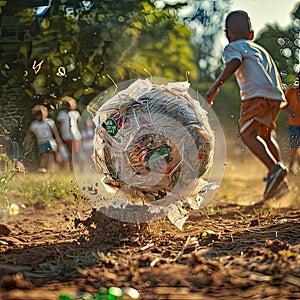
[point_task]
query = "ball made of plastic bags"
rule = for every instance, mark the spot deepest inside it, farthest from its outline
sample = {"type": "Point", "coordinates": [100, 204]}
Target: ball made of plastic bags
{"type": "Point", "coordinates": [153, 147]}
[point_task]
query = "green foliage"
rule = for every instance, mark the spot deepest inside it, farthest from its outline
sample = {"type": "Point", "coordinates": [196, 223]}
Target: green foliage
{"type": "Point", "coordinates": [205, 20]}
{"type": "Point", "coordinates": [80, 57]}
{"type": "Point", "coordinates": [280, 44]}
{"type": "Point", "coordinates": [283, 45]}
{"type": "Point", "coordinates": [163, 44]}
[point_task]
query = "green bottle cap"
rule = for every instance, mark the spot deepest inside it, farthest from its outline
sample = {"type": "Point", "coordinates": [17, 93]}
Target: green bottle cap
{"type": "Point", "coordinates": [111, 126]}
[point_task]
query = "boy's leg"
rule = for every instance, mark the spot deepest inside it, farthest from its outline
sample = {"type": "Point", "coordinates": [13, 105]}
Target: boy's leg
{"type": "Point", "coordinates": [257, 147]}
{"type": "Point", "coordinates": [272, 146]}
{"type": "Point", "coordinates": [277, 171]}
{"type": "Point", "coordinates": [58, 158]}
{"type": "Point", "coordinates": [44, 161]}
{"type": "Point", "coordinates": [257, 137]}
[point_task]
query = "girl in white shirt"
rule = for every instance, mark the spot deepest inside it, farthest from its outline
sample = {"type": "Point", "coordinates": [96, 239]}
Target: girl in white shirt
{"type": "Point", "coordinates": [46, 134]}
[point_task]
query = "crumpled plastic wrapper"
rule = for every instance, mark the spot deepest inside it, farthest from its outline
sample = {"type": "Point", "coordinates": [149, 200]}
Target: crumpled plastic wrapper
{"type": "Point", "coordinates": [154, 146]}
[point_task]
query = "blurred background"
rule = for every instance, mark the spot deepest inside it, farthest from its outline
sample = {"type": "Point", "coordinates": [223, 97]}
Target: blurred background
{"type": "Point", "coordinates": [53, 48]}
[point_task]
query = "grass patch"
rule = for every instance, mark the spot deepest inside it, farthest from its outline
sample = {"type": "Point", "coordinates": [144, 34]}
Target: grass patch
{"type": "Point", "coordinates": [48, 188]}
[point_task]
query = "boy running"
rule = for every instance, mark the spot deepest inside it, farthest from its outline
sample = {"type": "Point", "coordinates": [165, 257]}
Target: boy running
{"type": "Point", "coordinates": [261, 95]}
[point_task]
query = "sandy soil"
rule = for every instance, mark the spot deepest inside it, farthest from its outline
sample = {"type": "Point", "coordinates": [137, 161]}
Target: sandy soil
{"type": "Point", "coordinates": [236, 248]}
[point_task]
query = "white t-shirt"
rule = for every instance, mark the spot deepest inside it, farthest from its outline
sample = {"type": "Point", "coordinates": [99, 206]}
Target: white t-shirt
{"type": "Point", "coordinates": [42, 130]}
{"type": "Point", "coordinates": [257, 76]}
{"type": "Point", "coordinates": [68, 124]}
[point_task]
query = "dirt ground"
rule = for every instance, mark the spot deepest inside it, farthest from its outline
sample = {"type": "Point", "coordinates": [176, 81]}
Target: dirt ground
{"type": "Point", "coordinates": [236, 248]}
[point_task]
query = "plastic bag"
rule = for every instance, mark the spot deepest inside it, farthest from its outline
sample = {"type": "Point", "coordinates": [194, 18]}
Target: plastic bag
{"type": "Point", "coordinates": [153, 152]}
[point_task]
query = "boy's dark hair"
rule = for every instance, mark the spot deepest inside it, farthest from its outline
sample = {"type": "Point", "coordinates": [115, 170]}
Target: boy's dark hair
{"type": "Point", "coordinates": [238, 23]}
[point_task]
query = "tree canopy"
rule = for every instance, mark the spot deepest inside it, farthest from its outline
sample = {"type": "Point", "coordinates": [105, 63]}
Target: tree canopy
{"type": "Point", "coordinates": [84, 55]}
{"type": "Point", "coordinates": [205, 19]}
{"type": "Point", "coordinates": [284, 46]}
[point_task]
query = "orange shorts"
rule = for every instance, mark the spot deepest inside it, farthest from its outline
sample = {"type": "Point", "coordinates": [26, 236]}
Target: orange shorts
{"type": "Point", "coordinates": [264, 111]}
{"type": "Point", "coordinates": [74, 146]}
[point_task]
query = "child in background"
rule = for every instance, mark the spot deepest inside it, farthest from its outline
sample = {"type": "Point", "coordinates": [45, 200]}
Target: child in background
{"type": "Point", "coordinates": [68, 118]}
{"type": "Point", "coordinates": [46, 134]}
{"type": "Point", "coordinates": [87, 140]}
{"type": "Point", "coordinates": [261, 95]}
{"type": "Point", "coordinates": [293, 109]}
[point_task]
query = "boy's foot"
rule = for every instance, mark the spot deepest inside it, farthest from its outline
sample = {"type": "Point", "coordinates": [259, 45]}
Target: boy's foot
{"type": "Point", "coordinates": [42, 170]}
{"type": "Point", "coordinates": [274, 179]}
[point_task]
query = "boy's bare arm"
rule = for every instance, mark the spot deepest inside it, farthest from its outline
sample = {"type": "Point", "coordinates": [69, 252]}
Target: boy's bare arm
{"type": "Point", "coordinates": [56, 135]}
{"type": "Point", "coordinates": [229, 70]}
